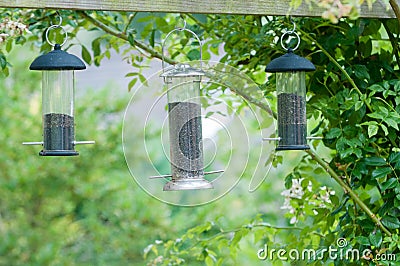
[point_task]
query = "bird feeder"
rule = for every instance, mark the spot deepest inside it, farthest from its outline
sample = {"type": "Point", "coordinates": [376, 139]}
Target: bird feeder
{"type": "Point", "coordinates": [291, 92]}
{"type": "Point", "coordinates": [58, 86]}
{"type": "Point", "coordinates": [182, 83]}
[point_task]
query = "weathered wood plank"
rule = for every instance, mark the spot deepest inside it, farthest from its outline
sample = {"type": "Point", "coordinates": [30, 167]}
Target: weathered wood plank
{"type": "Point", "coordinates": [262, 7]}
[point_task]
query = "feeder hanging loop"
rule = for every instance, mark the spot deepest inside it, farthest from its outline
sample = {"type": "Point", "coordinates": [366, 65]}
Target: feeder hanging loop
{"type": "Point", "coordinates": [56, 27]}
{"type": "Point", "coordinates": [180, 29]}
{"type": "Point", "coordinates": [290, 33]}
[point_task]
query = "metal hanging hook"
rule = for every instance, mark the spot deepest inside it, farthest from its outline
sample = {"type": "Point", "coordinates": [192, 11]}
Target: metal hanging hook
{"type": "Point", "coordinates": [184, 25]}
{"type": "Point", "coordinates": [180, 29]}
{"type": "Point", "coordinates": [291, 32]}
{"type": "Point", "coordinates": [55, 26]}
{"type": "Point", "coordinates": [60, 19]}
{"type": "Point", "coordinates": [294, 24]}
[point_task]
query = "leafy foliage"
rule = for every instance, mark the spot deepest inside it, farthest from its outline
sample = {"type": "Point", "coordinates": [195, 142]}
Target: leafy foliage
{"type": "Point", "coordinates": [353, 99]}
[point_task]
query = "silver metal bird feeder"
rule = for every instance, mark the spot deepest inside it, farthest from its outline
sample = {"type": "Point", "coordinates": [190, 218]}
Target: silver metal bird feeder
{"type": "Point", "coordinates": [185, 127]}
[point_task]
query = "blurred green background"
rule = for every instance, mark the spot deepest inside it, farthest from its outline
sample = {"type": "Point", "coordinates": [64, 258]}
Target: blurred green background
{"type": "Point", "coordinates": [88, 210]}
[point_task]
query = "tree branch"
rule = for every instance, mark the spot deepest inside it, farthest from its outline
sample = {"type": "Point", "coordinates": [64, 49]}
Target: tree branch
{"type": "Point", "coordinates": [393, 40]}
{"type": "Point", "coordinates": [349, 191]}
{"type": "Point", "coordinates": [151, 52]}
{"type": "Point", "coordinates": [396, 9]}
{"type": "Point", "coordinates": [131, 17]}
{"type": "Point", "coordinates": [333, 60]}
{"type": "Point", "coordinates": [324, 165]}
{"type": "Point", "coordinates": [222, 233]}
{"type": "Point", "coordinates": [154, 54]}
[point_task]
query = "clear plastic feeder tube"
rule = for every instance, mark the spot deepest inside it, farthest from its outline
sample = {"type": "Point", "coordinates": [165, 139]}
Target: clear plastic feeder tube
{"type": "Point", "coordinates": [292, 120]}
{"type": "Point", "coordinates": [185, 129]}
{"type": "Point", "coordinates": [58, 110]}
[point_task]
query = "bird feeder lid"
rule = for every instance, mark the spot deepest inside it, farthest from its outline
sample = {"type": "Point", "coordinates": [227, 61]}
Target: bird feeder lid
{"type": "Point", "coordinates": [289, 62]}
{"type": "Point", "coordinates": [57, 60]}
{"type": "Point", "coordinates": [183, 70]}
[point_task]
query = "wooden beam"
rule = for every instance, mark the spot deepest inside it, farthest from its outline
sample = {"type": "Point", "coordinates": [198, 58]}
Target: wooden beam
{"type": "Point", "coordinates": [257, 7]}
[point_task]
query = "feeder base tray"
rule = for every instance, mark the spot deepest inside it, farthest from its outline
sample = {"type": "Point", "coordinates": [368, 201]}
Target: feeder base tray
{"type": "Point", "coordinates": [187, 184]}
{"type": "Point", "coordinates": [292, 147]}
{"type": "Point", "coordinates": [59, 153]}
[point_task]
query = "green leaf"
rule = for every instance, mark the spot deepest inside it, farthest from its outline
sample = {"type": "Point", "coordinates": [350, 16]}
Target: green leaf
{"type": "Point", "coordinates": [390, 222]}
{"type": "Point", "coordinates": [384, 111]}
{"type": "Point", "coordinates": [131, 74]}
{"type": "Point", "coordinates": [375, 238]}
{"type": "Point", "coordinates": [9, 45]}
{"type": "Point", "coordinates": [96, 47]}
{"type": "Point", "coordinates": [363, 240]}
{"type": "Point", "coordinates": [131, 39]}
{"type": "Point", "coordinates": [3, 61]}
{"type": "Point", "coordinates": [345, 153]}
{"type": "Point", "coordinates": [107, 54]}
{"type": "Point", "coordinates": [161, 22]}
{"type": "Point", "coordinates": [394, 157]}
{"type": "Point", "coordinates": [6, 72]}
{"type": "Point", "coordinates": [391, 183]}
{"type": "Point", "coordinates": [361, 72]}
{"type": "Point", "coordinates": [372, 130]}
{"type": "Point", "coordinates": [193, 54]}
{"type": "Point", "coordinates": [381, 172]}
{"type": "Point", "coordinates": [390, 122]}
{"type": "Point", "coordinates": [20, 40]}
{"type": "Point", "coordinates": [333, 133]}
{"type": "Point", "coordinates": [152, 37]}
{"type": "Point", "coordinates": [358, 105]}
{"type": "Point", "coordinates": [385, 129]}
{"type": "Point", "coordinates": [209, 261]}
{"type": "Point", "coordinates": [236, 238]}
{"type": "Point", "coordinates": [220, 262]}
{"type": "Point", "coordinates": [132, 84]}
{"type": "Point", "coordinates": [86, 55]}
{"type": "Point", "coordinates": [375, 161]}
{"type": "Point", "coordinates": [386, 93]}
{"type": "Point", "coordinates": [376, 115]}
{"type": "Point", "coordinates": [376, 88]}
{"type": "Point", "coordinates": [142, 78]}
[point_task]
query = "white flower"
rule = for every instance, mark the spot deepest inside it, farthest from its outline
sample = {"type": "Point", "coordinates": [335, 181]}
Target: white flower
{"type": "Point", "coordinates": [286, 204]}
{"type": "Point", "coordinates": [325, 193]}
{"type": "Point", "coordinates": [296, 190]}
{"type": "Point", "coordinates": [21, 26]}
{"type": "Point", "coordinates": [148, 248]}
{"type": "Point", "coordinates": [325, 197]}
{"type": "Point", "coordinates": [3, 37]}
{"type": "Point", "coordinates": [286, 193]}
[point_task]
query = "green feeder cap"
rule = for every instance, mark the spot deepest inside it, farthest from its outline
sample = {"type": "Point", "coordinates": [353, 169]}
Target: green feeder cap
{"type": "Point", "coordinates": [289, 62]}
{"type": "Point", "coordinates": [57, 60]}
